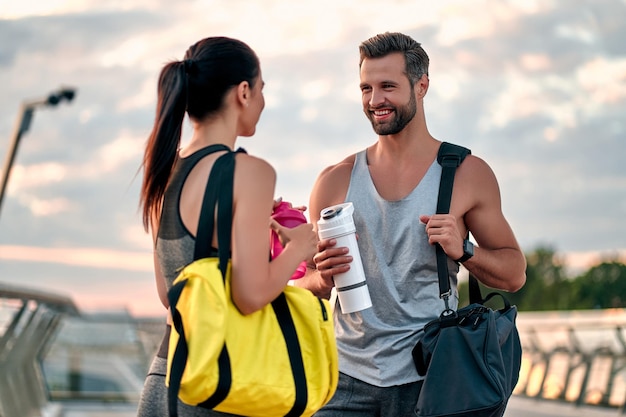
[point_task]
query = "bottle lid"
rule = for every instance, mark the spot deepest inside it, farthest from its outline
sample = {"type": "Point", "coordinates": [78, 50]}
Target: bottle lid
{"type": "Point", "coordinates": [336, 221]}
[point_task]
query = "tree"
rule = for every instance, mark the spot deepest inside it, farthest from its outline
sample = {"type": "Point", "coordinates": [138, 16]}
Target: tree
{"type": "Point", "coordinates": [602, 286]}
{"type": "Point", "coordinates": [547, 286]}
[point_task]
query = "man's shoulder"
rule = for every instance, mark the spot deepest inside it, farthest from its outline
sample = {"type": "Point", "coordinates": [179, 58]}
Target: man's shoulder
{"type": "Point", "coordinates": [331, 186]}
{"type": "Point", "coordinates": [339, 170]}
{"type": "Point", "coordinates": [475, 178]}
{"type": "Point", "coordinates": [474, 164]}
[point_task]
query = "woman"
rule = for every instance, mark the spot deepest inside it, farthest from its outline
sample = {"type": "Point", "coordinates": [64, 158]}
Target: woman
{"type": "Point", "coordinates": [219, 86]}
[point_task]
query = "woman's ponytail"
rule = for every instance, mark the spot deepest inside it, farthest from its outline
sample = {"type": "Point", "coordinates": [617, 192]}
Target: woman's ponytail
{"type": "Point", "coordinates": [164, 140]}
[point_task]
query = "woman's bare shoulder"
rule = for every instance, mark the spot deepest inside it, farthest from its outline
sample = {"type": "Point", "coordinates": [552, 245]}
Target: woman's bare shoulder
{"type": "Point", "coordinates": [253, 164]}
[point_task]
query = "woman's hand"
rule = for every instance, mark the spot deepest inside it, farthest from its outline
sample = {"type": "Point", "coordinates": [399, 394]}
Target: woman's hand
{"type": "Point", "coordinates": [301, 238]}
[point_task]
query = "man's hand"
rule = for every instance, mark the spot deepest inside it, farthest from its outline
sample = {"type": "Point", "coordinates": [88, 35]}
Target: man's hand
{"type": "Point", "coordinates": [327, 262]}
{"type": "Point", "coordinates": [443, 229]}
{"type": "Point", "coordinates": [330, 260]}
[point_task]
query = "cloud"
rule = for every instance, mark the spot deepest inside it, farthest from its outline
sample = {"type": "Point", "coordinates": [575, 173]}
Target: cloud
{"type": "Point", "coordinates": [39, 207]}
{"type": "Point", "coordinates": [37, 175]}
{"type": "Point", "coordinates": [537, 89]}
{"type": "Point", "coordinates": [578, 262]}
{"type": "Point", "coordinates": [117, 153]}
{"type": "Point", "coordinates": [604, 80]}
{"type": "Point", "coordinates": [84, 257]}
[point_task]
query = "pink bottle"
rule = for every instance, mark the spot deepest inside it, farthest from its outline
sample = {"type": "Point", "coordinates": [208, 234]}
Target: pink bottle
{"type": "Point", "coordinates": [288, 217]}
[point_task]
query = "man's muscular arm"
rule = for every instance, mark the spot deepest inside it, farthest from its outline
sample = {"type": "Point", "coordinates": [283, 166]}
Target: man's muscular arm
{"type": "Point", "coordinates": [498, 261]}
{"type": "Point", "coordinates": [330, 189]}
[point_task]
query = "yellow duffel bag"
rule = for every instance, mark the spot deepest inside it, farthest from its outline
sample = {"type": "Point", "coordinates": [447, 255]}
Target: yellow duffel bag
{"type": "Point", "coordinates": [279, 361]}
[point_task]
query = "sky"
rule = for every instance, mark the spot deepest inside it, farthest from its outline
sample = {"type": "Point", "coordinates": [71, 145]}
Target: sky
{"type": "Point", "coordinates": [536, 88]}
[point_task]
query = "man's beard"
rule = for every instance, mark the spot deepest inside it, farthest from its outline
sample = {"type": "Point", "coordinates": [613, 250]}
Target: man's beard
{"type": "Point", "coordinates": [402, 116]}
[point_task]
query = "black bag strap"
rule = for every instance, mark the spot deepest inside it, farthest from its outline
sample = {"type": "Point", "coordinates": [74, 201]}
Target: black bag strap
{"type": "Point", "coordinates": [217, 195]}
{"type": "Point", "coordinates": [450, 157]}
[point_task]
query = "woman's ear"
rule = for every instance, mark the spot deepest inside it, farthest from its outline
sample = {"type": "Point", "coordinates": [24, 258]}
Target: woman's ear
{"type": "Point", "coordinates": [243, 93]}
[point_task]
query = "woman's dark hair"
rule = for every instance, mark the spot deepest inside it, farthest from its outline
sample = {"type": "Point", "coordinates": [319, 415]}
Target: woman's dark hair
{"type": "Point", "coordinates": [196, 85]}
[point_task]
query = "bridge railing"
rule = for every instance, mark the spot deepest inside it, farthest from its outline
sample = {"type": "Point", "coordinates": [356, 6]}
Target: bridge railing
{"type": "Point", "coordinates": [52, 353]}
{"type": "Point", "coordinates": [575, 356]}
{"type": "Point", "coordinates": [53, 356]}
{"type": "Point", "coordinates": [101, 357]}
{"type": "Point", "coordinates": [30, 320]}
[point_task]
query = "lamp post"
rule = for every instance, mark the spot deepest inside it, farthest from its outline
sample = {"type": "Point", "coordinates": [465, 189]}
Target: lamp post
{"type": "Point", "coordinates": [27, 110]}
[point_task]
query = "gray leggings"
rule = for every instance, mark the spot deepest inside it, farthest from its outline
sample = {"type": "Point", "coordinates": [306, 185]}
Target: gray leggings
{"type": "Point", "coordinates": [153, 400]}
{"type": "Point", "coordinates": [355, 398]}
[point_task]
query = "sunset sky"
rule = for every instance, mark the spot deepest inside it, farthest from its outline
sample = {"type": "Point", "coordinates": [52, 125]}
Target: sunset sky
{"type": "Point", "coordinates": [535, 88]}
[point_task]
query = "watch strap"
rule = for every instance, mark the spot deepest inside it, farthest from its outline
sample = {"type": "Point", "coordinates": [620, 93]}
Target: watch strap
{"type": "Point", "coordinates": [466, 253]}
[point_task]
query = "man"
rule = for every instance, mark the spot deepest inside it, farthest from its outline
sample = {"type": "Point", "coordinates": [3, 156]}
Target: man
{"type": "Point", "coordinates": [393, 185]}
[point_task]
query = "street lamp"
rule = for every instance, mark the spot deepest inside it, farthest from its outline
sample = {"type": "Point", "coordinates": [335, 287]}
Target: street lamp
{"type": "Point", "coordinates": [23, 123]}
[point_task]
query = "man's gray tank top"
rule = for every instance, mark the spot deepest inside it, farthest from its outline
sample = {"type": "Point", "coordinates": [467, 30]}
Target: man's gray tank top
{"type": "Point", "coordinates": [401, 273]}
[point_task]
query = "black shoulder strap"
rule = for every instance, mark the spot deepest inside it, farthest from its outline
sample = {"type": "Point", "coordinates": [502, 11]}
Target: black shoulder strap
{"type": "Point", "coordinates": [450, 156]}
{"type": "Point", "coordinates": [218, 195]}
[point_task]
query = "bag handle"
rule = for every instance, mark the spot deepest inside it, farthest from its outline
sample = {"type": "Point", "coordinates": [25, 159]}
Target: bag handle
{"type": "Point", "coordinates": [218, 194]}
{"type": "Point", "coordinates": [450, 156]}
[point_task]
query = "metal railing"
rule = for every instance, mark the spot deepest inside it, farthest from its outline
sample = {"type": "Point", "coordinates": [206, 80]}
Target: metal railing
{"type": "Point", "coordinates": [50, 353]}
{"type": "Point", "coordinates": [101, 357]}
{"type": "Point", "coordinates": [32, 318]}
{"type": "Point", "coordinates": [576, 357]}
{"type": "Point", "coordinates": [55, 358]}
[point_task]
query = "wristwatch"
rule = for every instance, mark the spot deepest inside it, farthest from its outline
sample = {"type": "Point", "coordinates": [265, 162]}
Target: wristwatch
{"type": "Point", "coordinates": [468, 251]}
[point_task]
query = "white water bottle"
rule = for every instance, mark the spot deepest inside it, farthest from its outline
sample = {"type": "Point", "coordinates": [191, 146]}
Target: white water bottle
{"type": "Point", "coordinates": [336, 222]}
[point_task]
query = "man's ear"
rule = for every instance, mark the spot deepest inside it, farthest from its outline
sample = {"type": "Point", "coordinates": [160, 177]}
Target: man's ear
{"type": "Point", "coordinates": [421, 86]}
